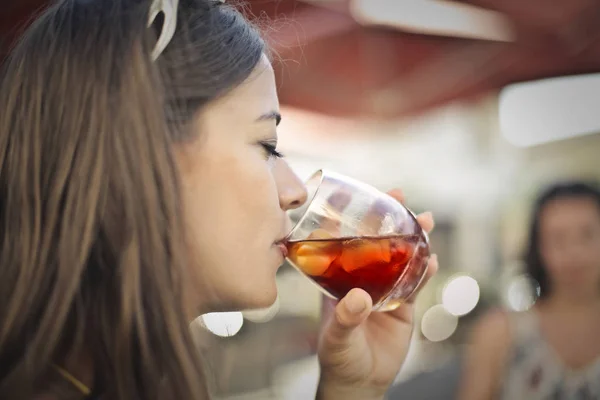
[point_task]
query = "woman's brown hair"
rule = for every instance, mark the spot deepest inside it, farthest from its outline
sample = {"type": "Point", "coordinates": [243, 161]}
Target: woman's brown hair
{"type": "Point", "coordinates": [92, 256]}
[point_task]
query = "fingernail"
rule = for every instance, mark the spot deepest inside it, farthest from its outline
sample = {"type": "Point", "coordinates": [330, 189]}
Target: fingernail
{"type": "Point", "coordinates": [355, 303]}
{"type": "Point", "coordinates": [433, 260]}
{"type": "Point", "coordinates": [428, 214]}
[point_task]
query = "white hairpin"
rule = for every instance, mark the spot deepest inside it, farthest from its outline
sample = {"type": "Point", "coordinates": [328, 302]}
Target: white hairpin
{"type": "Point", "coordinates": [169, 10]}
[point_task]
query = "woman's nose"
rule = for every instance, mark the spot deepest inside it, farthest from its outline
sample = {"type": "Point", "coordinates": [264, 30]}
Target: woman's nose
{"type": "Point", "coordinates": [292, 192]}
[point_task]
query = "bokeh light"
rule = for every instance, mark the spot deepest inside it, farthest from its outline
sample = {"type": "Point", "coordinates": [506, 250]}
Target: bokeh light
{"type": "Point", "coordinates": [521, 293]}
{"type": "Point", "coordinates": [460, 295]}
{"type": "Point", "coordinates": [224, 324]}
{"type": "Point", "coordinates": [438, 324]}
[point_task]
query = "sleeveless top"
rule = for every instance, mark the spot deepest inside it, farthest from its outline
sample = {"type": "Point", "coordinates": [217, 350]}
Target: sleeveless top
{"type": "Point", "coordinates": [535, 371]}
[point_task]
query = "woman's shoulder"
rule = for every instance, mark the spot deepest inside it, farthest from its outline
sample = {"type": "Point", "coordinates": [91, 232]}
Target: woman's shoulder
{"type": "Point", "coordinates": [494, 323]}
{"type": "Point", "coordinates": [499, 332]}
{"type": "Point", "coordinates": [493, 333]}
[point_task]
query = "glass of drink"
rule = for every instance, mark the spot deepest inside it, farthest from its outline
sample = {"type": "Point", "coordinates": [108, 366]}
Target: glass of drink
{"type": "Point", "coordinates": [350, 235]}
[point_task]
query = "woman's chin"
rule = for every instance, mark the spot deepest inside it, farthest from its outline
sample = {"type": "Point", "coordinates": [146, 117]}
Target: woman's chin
{"type": "Point", "coordinates": [247, 300]}
{"type": "Point", "coordinates": [261, 300]}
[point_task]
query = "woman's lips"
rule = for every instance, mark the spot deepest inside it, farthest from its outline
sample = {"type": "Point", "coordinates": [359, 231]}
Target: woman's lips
{"type": "Point", "coordinates": [282, 247]}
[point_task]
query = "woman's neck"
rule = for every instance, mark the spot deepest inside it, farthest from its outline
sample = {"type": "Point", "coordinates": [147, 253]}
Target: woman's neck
{"type": "Point", "coordinates": [573, 301]}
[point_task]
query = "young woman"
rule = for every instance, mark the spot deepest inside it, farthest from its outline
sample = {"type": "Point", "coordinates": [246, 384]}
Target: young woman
{"type": "Point", "coordinates": [553, 350]}
{"type": "Point", "coordinates": [140, 186]}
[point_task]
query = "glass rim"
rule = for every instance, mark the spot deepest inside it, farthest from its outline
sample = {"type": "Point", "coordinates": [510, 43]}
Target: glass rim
{"type": "Point", "coordinates": [320, 175]}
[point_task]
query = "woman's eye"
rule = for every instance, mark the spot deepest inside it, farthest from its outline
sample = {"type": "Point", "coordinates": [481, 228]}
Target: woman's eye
{"type": "Point", "coordinates": [271, 150]}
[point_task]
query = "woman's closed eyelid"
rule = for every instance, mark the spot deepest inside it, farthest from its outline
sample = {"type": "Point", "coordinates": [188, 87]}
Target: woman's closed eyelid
{"type": "Point", "coordinates": [271, 148]}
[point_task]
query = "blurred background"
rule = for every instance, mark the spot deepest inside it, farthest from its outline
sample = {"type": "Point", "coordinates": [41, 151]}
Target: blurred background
{"type": "Point", "coordinates": [469, 107]}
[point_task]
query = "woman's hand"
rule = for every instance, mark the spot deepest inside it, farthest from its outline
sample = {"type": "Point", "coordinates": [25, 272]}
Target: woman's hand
{"type": "Point", "coordinates": [360, 351]}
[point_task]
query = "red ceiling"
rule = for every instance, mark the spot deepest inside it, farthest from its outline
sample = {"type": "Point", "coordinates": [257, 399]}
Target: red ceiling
{"type": "Point", "coordinates": [331, 64]}
{"type": "Point", "coordinates": [354, 70]}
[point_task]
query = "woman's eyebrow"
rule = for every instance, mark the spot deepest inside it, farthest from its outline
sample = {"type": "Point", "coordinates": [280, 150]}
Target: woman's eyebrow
{"type": "Point", "coordinates": [272, 115]}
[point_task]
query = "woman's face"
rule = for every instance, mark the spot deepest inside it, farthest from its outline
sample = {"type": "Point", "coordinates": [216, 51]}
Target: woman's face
{"type": "Point", "coordinates": [235, 194]}
{"type": "Point", "coordinates": [570, 243]}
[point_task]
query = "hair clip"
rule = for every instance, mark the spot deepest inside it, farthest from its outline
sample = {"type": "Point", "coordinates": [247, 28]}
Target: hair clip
{"type": "Point", "coordinates": [169, 10]}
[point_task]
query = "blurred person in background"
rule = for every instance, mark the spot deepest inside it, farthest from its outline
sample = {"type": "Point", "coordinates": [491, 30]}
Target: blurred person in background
{"type": "Point", "coordinates": [551, 351]}
{"type": "Point", "coordinates": [141, 186]}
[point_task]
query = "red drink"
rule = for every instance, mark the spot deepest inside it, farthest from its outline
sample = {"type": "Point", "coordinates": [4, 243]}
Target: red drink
{"type": "Point", "coordinates": [372, 264]}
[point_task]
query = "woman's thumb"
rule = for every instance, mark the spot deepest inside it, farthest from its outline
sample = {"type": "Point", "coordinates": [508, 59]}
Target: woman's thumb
{"type": "Point", "coordinates": [350, 312]}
